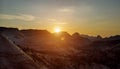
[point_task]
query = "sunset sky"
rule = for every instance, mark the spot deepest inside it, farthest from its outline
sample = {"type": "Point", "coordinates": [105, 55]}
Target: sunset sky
{"type": "Point", "coordinates": [90, 17]}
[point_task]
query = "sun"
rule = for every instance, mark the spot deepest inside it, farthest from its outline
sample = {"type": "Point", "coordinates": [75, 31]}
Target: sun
{"type": "Point", "coordinates": [57, 30]}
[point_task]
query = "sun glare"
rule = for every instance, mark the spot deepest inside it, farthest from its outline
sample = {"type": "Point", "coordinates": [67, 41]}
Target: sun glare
{"type": "Point", "coordinates": [57, 29]}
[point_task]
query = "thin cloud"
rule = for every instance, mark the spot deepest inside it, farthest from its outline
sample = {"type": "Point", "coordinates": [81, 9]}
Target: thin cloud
{"type": "Point", "coordinates": [54, 21]}
{"type": "Point", "coordinates": [23, 17]}
{"type": "Point", "coordinates": [66, 10]}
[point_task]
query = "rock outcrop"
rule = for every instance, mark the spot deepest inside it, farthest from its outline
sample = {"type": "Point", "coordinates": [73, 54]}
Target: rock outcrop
{"type": "Point", "coordinates": [12, 57]}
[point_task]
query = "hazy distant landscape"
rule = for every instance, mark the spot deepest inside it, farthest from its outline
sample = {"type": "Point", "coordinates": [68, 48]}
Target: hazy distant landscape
{"type": "Point", "coordinates": [40, 49]}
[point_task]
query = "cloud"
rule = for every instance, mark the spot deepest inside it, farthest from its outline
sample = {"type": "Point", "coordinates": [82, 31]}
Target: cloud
{"type": "Point", "coordinates": [23, 17]}
{"type": "Point", "coordinates": [66, 10]}
{"type": "Point", "coordinates": [54, 21]}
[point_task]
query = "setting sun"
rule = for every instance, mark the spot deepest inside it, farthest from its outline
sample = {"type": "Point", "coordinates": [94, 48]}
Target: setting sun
{"type": "Point", "coordinates": [57, 29]}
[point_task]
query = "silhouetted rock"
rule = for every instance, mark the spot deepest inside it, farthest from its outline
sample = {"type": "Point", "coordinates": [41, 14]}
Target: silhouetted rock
{"type": "Point", "coordinates": [92, 38]}
{"type": "Point", "coordinates": [79, 40]}
{"type": "Point", "coordinates": [40, 49]}
{"type": "Point", "coordinates": [14, 35]}
{"type": "Point", "coordinates": [32, 32]}
{"type": "Point", "coordinates": [12, 57]}
{"type": "Point", "coordinates": [116, 37]}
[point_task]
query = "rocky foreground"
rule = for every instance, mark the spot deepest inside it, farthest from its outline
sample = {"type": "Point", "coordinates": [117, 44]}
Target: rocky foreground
{"type": "Point", "coordinates": [40, 49]}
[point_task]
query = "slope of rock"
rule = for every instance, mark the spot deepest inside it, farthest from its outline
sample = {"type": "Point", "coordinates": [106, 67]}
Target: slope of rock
{"type": "Point", "coordinates": [12, 57]}
{"type": "Point", "coordinates": [13, 34]}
